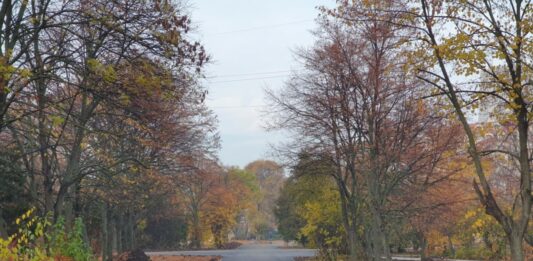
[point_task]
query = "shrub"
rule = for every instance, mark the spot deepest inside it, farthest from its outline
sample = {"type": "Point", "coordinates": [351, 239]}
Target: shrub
{"type": "Point", "coordinates": [69, 244]}
{"type": "Point", "coordinates": [35, 235]}
{"type": "Point", "coordinates": [26, 243]}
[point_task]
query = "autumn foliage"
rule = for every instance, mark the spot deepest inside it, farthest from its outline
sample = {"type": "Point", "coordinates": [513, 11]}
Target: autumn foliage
{"type": "Point", "coordinates": [101, 113]}
{"type": "Point", "coordinates": [409, 125]}
{"type": "Point", "coordinates": [421, 108]}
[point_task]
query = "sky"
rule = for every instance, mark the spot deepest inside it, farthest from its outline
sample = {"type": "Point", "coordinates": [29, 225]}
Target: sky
{"type": "Point", "coordinates": [251, 43]}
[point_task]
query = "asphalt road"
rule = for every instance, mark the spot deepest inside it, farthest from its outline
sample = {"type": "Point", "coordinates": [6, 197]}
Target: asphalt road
{"type": "Point", "coordinates": [258, 252]}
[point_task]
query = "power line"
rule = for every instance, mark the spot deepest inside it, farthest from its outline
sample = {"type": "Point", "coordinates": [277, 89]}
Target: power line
{"type": "Point", "coordinates": [252, 79]}
{"type": "Point", "coordinates": [238, 107]}
{"type": "Point", "coordinates": [250, 74]}
{"type": "Point", "coordinates": [263, 27]}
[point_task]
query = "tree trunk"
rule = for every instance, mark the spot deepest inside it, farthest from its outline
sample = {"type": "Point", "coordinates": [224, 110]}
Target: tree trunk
{"type": "Point", "coordinates": [104, 232]}
{"type": "Point", "coordinates": [131, 231]}
{"type": "Point", "coordinates": [423, 246]}
{"type": "Point", "coordinates": [109, 234]}
{"type": "Point", "coordinates": [3, 94]}
{"type": "Point", "coordinates": [517, 250]}
{"type": "Point", "coordinates": [368, 242]}
{"type": "Point", "coordinates": [48, 194]}
{"type": "Point", "coordinates": [120, 229]}
{"type": "Point", "coordinates": [351, 233]}
{"type": "Point", "coordinates": [59, 204]}
{"type": "Point", "coordinates": [126, 237]}
{"type": "Point", "coordinates": [113, 234]}
{"type": "Point", "coordinates": [71, 175]}
{"type": "Point", "coordinates": [3, 227]}
{"type": "Point", "coordinates": [353, 245]}
{"type": "Point", "coordinates": [349, 222]}
{"type": "Point", "coordinates": [451, 246]}
{"type": "Point", "coordinates": [43, 130]}
{"type": "Point", "coordinates": [380, 246]}
{"type": "Point", "coordinates": [77, 204]}
{"type": "Point", "coordinates": [196, 240]}
{"type": "Point", "coordinates": [68, 210]}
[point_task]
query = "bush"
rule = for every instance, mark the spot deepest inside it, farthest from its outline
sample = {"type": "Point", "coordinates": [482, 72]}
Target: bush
{"type": "Point", "coordinates": [69, 244]}
{"type": "Point", "coordinates": [26, 243]}
{"type": "Point", "coordinates": [35, 235]}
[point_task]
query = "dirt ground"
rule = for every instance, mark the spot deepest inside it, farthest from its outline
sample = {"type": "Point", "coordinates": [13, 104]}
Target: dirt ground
{"type": "Point", "coordinates": [186, 258]}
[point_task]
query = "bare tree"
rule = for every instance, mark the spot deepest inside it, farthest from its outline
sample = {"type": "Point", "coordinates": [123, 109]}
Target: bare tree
{"type": "Point", "coordinates": [355, 105]}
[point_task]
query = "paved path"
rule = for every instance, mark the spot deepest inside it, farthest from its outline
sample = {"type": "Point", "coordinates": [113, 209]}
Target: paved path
{"type": "Point", "coordinates": [259, 252]}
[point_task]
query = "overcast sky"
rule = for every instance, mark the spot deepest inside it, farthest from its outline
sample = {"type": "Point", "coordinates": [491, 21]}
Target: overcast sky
{"type": "Point", "coordinates": [251, 43]}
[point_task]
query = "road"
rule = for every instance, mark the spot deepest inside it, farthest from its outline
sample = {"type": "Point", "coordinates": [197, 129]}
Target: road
{"type": "Point", "coordinates": [257, 252]}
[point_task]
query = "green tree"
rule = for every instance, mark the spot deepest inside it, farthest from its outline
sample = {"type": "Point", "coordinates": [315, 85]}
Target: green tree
{"type": "Point", "coordinates": [289, 222]}
{"type": "Point", "coordinates": [309, 208]}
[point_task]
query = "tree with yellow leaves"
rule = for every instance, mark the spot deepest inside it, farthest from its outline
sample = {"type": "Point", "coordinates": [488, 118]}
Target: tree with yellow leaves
{"type": "Point", "coordinates": [473, 54]}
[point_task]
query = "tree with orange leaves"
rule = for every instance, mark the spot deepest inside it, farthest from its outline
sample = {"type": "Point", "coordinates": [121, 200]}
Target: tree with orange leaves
{"type": "Point", "coordinates": [476, 56]}
{"type": "Point", "coordinates": [356, 107]}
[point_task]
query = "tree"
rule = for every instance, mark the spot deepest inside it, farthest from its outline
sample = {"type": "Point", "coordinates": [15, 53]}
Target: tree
{"type": "Point", "coordinates": [197, 186]}
{"type": "Point", "coordinates": [245, 185]}
{"type": "Point", "coordinates": [505, 41]}
{"type": "Point", "coordinates": [287, 218]}
{"type": "Point", "coordinates": [101, 111]}
{"type": "Point", "coordinates": [270, 178]}
{"type": "Point", "coordinates": [487, 44]}
{"type": "Point", "coordinates": [217, 198]}
{"type": "Point", "coordinates": [222, 209]}
{"type": "Point", "coordinates": [13, 198]}
{"type": "Point", "coordinates": [356, 106]}
{"type": "Point", "coordinates": [308, 209]}
{"type": "Point", "coordinates": [21, 23]}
